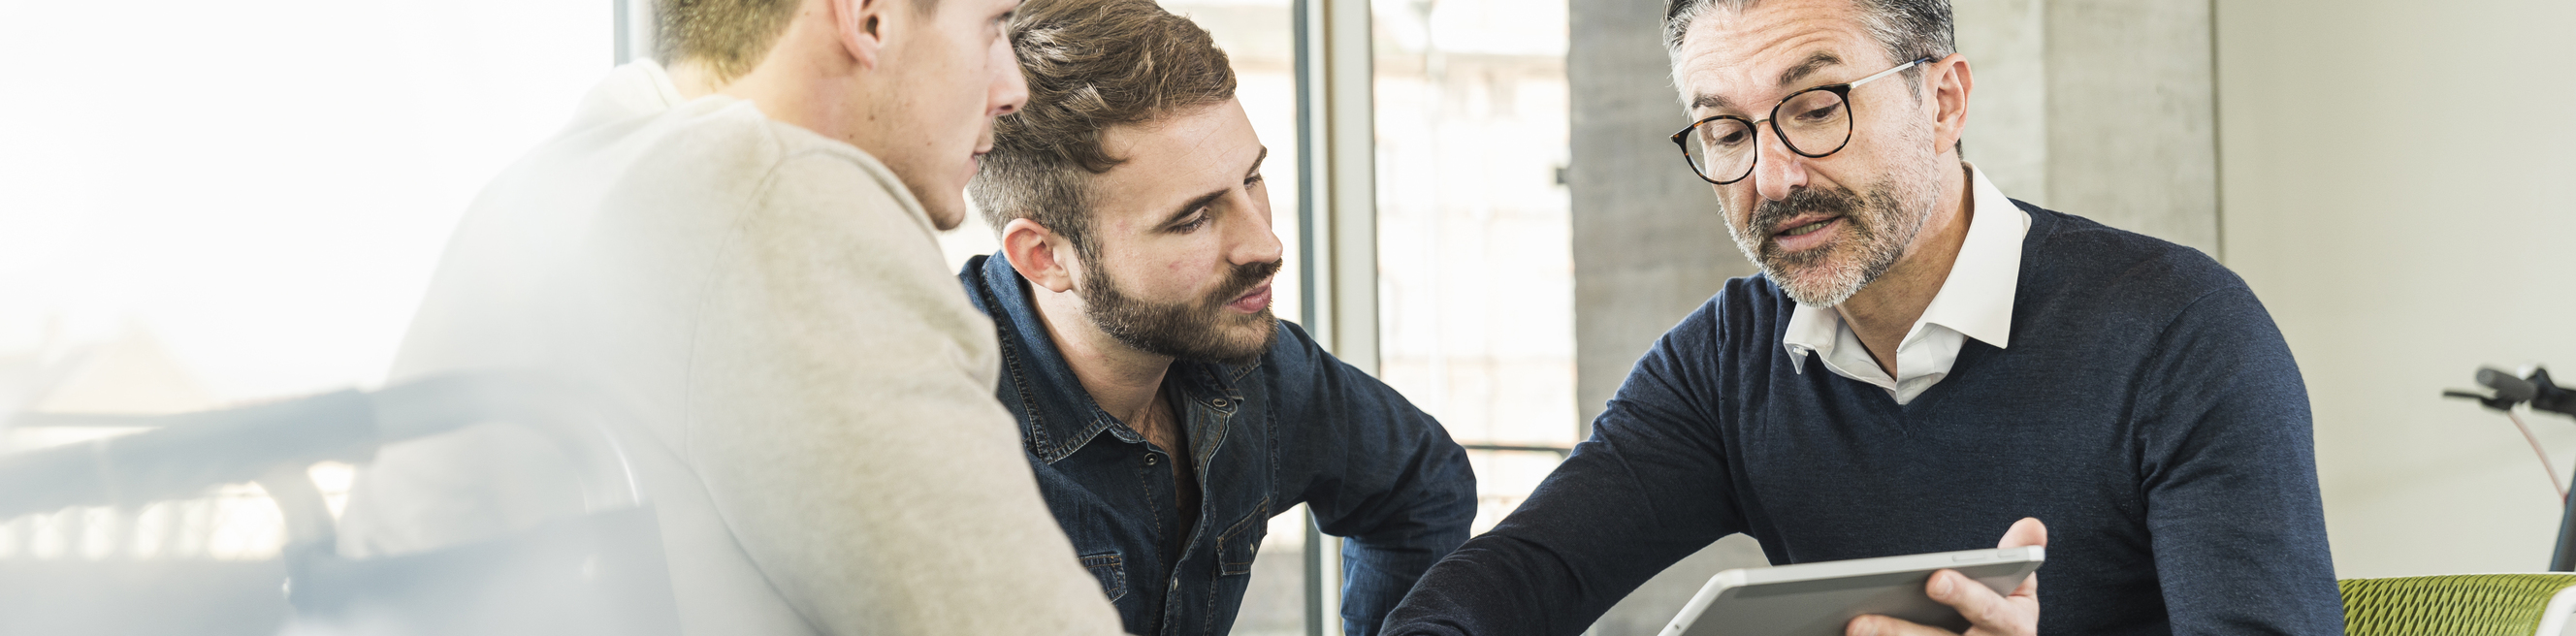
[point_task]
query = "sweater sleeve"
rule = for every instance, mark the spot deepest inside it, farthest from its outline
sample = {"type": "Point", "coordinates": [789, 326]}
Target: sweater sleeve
{"type": "Point", "coordinates": [841, 416]}
{"type": "Point", "coordinates": [1650, 487]}
{"type": "Point", "coordinates": [1382, 473]}
{"type": "Point", "coordinates": [2230, 476]}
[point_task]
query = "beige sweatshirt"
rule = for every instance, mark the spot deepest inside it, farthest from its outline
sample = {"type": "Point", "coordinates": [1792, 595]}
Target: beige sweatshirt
{"type": "Point", "coordinates": [812, 396]}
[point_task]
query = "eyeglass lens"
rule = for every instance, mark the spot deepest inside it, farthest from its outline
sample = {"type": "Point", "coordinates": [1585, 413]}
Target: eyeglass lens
{"type": "Point", "coordinates": [1815, 123]}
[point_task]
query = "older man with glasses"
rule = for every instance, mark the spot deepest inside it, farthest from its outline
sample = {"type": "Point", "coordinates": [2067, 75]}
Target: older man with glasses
{"type": "Point", "coordinates": [1921, 364]}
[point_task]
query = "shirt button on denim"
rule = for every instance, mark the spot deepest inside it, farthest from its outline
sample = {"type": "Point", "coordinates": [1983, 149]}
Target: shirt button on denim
{"type": "Point", "coordinates": [1220, 403]}
{"type": "Point", "coordinates": [1149, 459]}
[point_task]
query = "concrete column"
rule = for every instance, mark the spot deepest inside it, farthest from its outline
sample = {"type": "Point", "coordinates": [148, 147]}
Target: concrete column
{"type": "Point", "coordinates": [1648, 244]}
{"type": "Point", "coordinates": [2007, 49]}
{"type": "Point", "coordinates": [2132, 117]}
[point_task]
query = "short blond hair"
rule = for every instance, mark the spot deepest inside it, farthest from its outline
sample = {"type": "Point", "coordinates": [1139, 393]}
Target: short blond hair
{"type": "Point", "coordinates": [729, 37]}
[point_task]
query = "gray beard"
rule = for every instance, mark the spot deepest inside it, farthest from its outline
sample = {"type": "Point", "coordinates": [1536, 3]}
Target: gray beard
{"type": "Point", "coordinates": [1878, 224]}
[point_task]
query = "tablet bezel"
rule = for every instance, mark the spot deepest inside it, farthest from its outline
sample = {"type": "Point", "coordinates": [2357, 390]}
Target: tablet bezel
{"type": "Point", "coordinates": [2019, 563]}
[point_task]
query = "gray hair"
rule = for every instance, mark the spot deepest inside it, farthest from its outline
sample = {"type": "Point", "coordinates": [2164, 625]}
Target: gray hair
{"type": "Point", "coordinates": [1907, 29]}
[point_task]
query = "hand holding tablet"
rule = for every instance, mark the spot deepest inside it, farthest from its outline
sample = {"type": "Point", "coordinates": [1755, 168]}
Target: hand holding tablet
{"type": "Point", "coordinates": [1985, 592]}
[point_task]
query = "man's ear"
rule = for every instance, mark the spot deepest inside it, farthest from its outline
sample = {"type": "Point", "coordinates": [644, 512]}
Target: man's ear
{"type": "Point", "coordinates": [1951, 83]}
{"type": "Point", "coordinates": [861, 25]}
{"type": "Point", "coordinates": [1047, 260]}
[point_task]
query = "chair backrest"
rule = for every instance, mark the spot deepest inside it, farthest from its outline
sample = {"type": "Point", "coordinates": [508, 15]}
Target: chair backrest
{"type": "Point", "coordinates": [597, 571]}
{"type": "Point", "coordinates": [2459, 605]}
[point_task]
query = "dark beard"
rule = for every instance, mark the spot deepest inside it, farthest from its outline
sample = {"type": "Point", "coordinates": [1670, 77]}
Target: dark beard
{"type": "Point", "coordinates": [1185, 330]}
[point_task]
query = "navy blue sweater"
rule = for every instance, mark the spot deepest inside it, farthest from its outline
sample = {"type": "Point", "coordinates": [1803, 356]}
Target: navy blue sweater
{"type": "Point", "coordinates": [2147, 411]}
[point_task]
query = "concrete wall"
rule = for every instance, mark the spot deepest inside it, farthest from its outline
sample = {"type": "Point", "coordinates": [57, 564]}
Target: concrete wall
{"type": "Point", "coordinates": [1648, 243]}
{"type": "Point", "coordinates": [2131, 126]}
{"type": "Point", "coordinates": [2397, 193]}
{"type": "Point", "coordinates": [2099, 108]}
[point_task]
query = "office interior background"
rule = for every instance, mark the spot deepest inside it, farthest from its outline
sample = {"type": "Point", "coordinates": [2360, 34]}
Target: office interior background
{"type": "Point", "coordinates": [207, 204]}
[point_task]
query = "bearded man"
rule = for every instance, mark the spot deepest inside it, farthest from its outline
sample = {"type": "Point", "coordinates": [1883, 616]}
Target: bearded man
{"type": "Point", "coordinates": [1921, 364]}
{"type": "Point", "coordinates": [1168, 415]}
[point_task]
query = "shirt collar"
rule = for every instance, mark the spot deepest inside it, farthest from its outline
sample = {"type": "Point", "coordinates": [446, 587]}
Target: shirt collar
{"type": "Point", "coordinates": [637, 89]}
{"type": "Point", "coordinates": [1976, 299]}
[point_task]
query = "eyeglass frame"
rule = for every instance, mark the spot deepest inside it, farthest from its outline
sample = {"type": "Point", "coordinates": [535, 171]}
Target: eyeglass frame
{"type": "Point", "coordinates": [1841, 91]}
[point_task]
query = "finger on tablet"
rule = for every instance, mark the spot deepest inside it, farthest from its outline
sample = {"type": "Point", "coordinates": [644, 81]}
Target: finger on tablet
{"type": "Point", "coordinates": [1986, 611]}
{"type": "Point", "coordinates": [2027, 531]}
{"type": "Point", "coordinates": [1875, 625]}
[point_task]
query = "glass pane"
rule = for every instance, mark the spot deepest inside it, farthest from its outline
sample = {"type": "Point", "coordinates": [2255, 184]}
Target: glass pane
{"type": "Point", "coordinates": [271, 232]}
{"type": "Point", "coordinates": [229, 202]}
{"type": "Point", "coordinates": [1475, 265]}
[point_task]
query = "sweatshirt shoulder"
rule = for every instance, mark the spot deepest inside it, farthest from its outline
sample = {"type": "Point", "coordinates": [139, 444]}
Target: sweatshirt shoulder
{"type": "Point", "coordinates": [728, 146]}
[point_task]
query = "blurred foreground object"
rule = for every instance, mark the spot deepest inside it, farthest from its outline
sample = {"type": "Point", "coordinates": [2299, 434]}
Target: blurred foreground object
{"type": "Point", "coordinates": [598, 570]}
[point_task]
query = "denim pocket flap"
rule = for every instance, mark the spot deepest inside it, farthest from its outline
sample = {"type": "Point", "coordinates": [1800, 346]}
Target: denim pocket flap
{"type": "Point", "coordinates": [1112, 573]}
{"type": "Point", "coordinates": [1236, 548]}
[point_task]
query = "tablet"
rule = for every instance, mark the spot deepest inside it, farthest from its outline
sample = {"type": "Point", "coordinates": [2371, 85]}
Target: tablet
{"type": "Point", "coordinates": [1819, 599]}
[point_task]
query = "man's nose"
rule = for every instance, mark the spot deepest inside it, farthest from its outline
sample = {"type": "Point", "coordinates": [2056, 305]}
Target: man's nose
{"type": "Point", "coordinates": [1253, 241]}
{"type": "Point", "coordinates": [1010, 88]}
{"type": "Point", "coordinates": [1779, 171]}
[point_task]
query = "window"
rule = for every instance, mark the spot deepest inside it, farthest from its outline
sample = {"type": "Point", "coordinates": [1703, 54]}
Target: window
{"type": "Point", "coordinates": [1475, 263]}
{"type": "Point", "coordinates": [238, 201]}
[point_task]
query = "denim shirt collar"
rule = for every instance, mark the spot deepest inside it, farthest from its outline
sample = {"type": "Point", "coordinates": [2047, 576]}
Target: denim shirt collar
{"type": "Point", "coordinates": [1059, 415]}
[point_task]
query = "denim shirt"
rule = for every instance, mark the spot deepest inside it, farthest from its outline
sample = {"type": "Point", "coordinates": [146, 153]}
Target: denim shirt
{"type": "Point", "coordinates": [1297, 426]}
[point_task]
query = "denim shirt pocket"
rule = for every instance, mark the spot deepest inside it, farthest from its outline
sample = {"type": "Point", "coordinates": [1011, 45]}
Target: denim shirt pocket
{"type": "Point", "coordinates": [1111, 570]}
{"type": "Point", "coordinates": [1236, 548]}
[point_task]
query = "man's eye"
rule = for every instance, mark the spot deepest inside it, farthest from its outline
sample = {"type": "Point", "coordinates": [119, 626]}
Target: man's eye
{"type": "Point", "coordinates": [1193, 225]}
{"type": "Point", "coordinates": [1821, 114]}
{"type": "Point", "coordinates": [1252, 180]}
{"type": "Point", "coordinates": [1729, 139]}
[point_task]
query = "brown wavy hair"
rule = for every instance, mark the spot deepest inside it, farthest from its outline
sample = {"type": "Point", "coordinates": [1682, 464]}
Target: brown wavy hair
{"type": "Point", "coordinates": [1091, 65]}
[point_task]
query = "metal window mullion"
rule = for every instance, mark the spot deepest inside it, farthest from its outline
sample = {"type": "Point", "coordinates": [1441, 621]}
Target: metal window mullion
{"type": "Point", "coordinates": [1337, 228]}
{"type": "Point", "coordinates": [634, 27]}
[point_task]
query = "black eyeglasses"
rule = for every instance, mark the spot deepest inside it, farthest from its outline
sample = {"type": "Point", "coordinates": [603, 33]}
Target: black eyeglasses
{"type": "Point", "coordinates": [1817, 118]}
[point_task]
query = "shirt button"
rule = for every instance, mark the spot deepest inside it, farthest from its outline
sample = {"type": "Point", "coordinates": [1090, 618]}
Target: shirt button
{"type": "Point", "coordinates": [1220, 402]}
{"type": "Point", "coordinates": [1149, 459]}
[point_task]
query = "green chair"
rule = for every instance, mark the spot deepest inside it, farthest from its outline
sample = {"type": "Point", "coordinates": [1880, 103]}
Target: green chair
{"type": "Point", "coordinates": [2459, 605]}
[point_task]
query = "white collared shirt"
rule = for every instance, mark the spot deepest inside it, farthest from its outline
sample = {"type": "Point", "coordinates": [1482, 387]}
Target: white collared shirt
{"type": "Point", "coordinates": [1975, 301]}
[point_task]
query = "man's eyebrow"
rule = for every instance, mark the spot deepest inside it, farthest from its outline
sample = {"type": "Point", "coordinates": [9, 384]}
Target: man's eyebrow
{"type": "Point", "coordinates": [1711, 100]}
{"type": "Point", "coordinates": [1193, 205]}
{"type": "Point", "coordinates": [1203, 200]}
{"type": "Point", "coordinates": [1801, 70]}
{"type": "Point", "coordinates": [1806, 67]}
